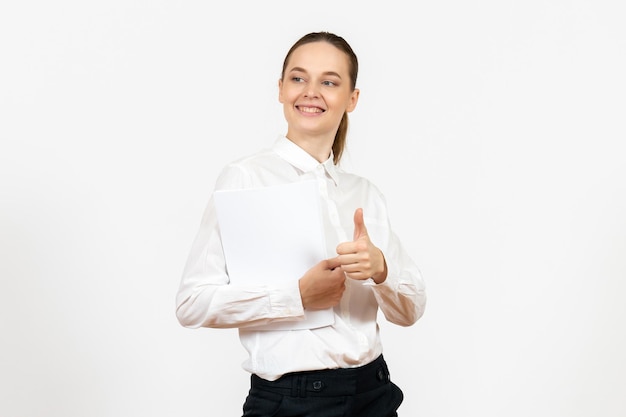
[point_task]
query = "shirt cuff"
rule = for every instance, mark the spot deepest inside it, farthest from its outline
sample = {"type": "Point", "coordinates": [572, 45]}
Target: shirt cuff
{"type": "Point", "coordinates": [285, 301]}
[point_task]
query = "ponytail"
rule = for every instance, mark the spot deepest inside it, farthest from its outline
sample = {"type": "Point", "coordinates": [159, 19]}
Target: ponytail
{"type": "Point", "coordinates": [340, 139]}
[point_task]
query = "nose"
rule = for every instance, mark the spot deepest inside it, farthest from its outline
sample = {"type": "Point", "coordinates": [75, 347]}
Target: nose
{"type": "Point", "coordinates": [311, 90]}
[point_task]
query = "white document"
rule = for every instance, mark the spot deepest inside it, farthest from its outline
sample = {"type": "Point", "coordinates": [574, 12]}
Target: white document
{"type": "Point", "coordinates": [272, 235]}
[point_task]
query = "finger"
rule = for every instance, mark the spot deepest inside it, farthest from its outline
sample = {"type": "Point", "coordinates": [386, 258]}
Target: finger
{"type": "Point", "coordinates": [359, 224]}
{"type": "Point", "coordinates": [359, 275]}
{"type": "Point", "coordinates": [349, 259]}
{"type": "Point", "coordinates": [351, 268]}
{"type": "Point", "coordinates": [346, 248]}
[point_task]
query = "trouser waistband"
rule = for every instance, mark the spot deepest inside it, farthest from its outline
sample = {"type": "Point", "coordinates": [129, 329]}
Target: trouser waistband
{"type": "Point", "coordinates": [328, 382]}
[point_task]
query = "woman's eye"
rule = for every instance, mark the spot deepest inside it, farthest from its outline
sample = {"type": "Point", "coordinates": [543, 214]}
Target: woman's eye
{"type": "Point", "coordinates": [297, 79]}
{"type": "Point", "coordinates": [328, 83]}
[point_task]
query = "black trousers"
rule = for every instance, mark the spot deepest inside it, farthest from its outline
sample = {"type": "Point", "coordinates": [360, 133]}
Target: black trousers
{"type": "Point", "coordinates": [366, 391]}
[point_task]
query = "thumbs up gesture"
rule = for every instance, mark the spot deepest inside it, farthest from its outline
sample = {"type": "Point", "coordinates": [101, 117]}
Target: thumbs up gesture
{"type": "Point", "coordinates": [360, 259]}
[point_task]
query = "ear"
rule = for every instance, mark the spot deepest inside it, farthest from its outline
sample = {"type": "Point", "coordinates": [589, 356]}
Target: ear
{"type": "Point", "coordinates": [280, 90]}
{"type": "Point", "coordinates": [354, 98]}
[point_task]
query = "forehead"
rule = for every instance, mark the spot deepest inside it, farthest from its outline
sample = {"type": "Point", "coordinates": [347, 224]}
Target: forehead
{"type": "Point", "coordinates": [319, 56]}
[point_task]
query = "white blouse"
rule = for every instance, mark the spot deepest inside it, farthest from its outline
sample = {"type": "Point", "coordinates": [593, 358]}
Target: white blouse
{"type": "Point", "coordinates": [205, 299]}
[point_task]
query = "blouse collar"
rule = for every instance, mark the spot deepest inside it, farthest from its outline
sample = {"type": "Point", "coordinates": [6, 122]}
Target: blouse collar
{"type": "Point", "coordinates": [301, 159]}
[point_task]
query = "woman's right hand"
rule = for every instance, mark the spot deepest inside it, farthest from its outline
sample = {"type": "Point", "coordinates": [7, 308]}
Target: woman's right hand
{"type": "Point", "coordinates": [323, 285]}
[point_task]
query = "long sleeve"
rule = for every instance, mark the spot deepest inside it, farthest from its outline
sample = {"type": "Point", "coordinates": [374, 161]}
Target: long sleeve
{"type": "Point", "coordinates": [402, 296]}
{"type": "Point", "coordinates": [205, 297]}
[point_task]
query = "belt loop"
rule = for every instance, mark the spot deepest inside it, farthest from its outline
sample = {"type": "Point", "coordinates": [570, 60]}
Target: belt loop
{"type": "Point", "coordinates": [303, 381]}
{"type": "Point", "coordinates": [298, 386]}
{"type": "Point", "coordinates": [295, 385]}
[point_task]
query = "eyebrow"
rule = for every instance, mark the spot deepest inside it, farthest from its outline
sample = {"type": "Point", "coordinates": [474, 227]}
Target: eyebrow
{"type": "Point", "coordinates": [327, 73]}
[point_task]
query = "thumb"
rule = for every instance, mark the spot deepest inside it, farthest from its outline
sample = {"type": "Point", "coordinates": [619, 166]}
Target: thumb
{"type": "Point", "coordinates": [359, 224]}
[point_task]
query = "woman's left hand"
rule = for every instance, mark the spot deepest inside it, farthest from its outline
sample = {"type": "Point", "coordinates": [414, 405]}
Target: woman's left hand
{"type": "Point", "coordinates": [360, 259]}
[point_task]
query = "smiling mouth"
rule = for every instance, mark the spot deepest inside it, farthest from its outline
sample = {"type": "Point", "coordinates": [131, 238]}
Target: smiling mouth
{"type": "Point", "coordinates": [305, 109]}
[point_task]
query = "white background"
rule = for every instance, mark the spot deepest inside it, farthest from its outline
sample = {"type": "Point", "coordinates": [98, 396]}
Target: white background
{"type": "Point", "coordinates": [496, 129]}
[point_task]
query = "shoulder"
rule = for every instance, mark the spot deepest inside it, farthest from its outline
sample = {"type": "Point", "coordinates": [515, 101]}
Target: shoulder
{"type": "Point", "coordinates": [237, 173]}
{"type": "Point", "coordinates": [253, 160]}
{"type": "Point", "coordinates": [356, 181]}
{"type": "Point", "coordinates": [245, 171]}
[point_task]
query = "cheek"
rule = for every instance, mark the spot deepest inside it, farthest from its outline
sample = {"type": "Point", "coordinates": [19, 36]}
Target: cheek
{"type": "Point", "coordinates": [287, 96]}
{"type": "Point", "coordinates": [342, 99]}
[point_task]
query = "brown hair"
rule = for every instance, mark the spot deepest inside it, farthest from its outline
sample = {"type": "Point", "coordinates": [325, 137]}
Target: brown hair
{"type": "Point", "coordinates": [341, 44]}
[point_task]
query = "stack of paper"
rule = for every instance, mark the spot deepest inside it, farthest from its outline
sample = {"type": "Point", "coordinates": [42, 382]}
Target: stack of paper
{"type": "Point", "coordinates": [272, 235]}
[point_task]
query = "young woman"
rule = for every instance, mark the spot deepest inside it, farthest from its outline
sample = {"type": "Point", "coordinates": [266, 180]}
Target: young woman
{"type": "Point", "coordinates": [335, 370]}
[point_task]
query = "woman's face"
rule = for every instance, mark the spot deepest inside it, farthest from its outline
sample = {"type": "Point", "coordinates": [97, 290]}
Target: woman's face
{"type": "Point", "coordinates": [316, 91]}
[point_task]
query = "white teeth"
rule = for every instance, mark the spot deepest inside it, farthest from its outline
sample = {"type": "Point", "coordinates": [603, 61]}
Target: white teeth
{"type": "Point", "coordinates": [310, 110]}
